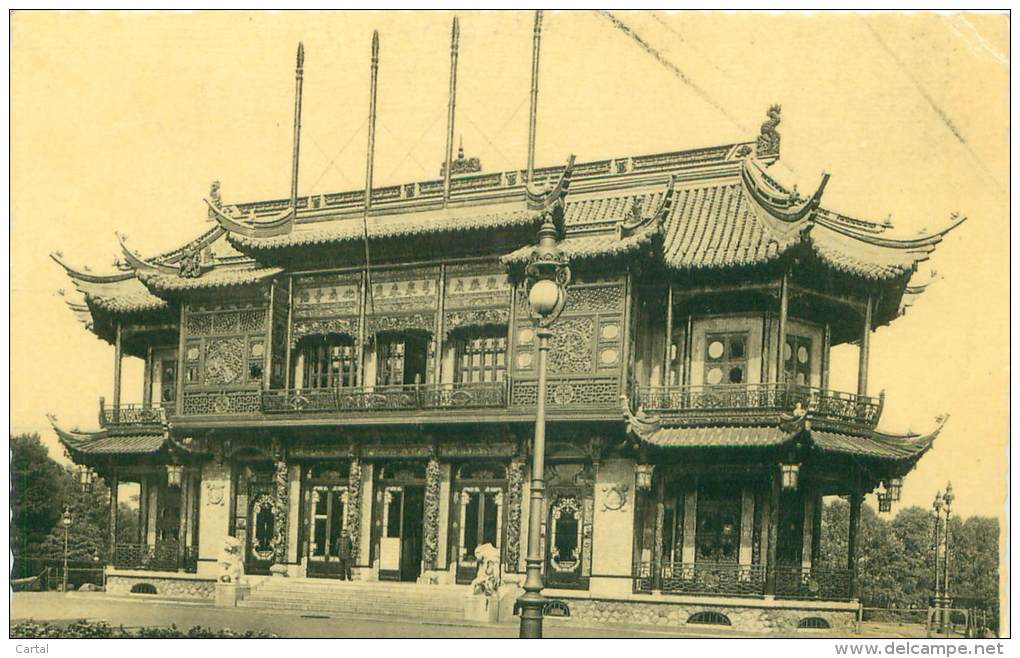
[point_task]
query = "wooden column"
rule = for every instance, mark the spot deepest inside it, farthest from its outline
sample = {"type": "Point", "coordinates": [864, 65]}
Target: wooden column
{"type": "Point", "coordinates": [862, 364]}
{"type": "Point", "coordinates": [660, 511]}
{"type": "Point", "coordinates": [746, 551]}
{"type": "Point", "coordinates": [666, 361]}
{"type": "Point", "coordinates": [853, 539]}
{"type": "Point", "coordinates": [182, 520]}
{"type": "Point", "coordinates": [808, 529]}
{"type": "Point", "coordinates": [440, 332]}
{"type": "Point", "coordinates": [826, 348]}
{"type": "Point", "coordinates": [773, 542]}
{"type": "Point", "coordinates": [688, 342]}
{"type": "Point", "coordinates": [287, 374]}
{"type": "Point", "coordinates": [687, 551]}
{"type": "Point", "coordinates": [147, 382]}
{"type": "Point", "coordinates": [784, 304]}
{"type": "Point", "coordinates": [362, 327]}
{"type": "Point", "coordinates": [114, 487]}
{"type": "Point", "coordinates": [143, 509]}
{"type": "Point", "coordinates": [118, 355]}
{"type": "Point", "coordinates": [816, 530]}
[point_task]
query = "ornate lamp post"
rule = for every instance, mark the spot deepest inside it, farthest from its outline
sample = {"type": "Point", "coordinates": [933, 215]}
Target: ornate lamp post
{"type": "Point", "coordinates": [942, 600]}
{"type": "Point", "coordinates": [65, 520]}
{"type": "Point", "coordinates": [547, 277]}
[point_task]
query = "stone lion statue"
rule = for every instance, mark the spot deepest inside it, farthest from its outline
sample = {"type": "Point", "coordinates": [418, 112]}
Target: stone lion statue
{"type": "Point", "coordinates": [231, 561]}
{"type": "Point", "coordinates": [488, 579]}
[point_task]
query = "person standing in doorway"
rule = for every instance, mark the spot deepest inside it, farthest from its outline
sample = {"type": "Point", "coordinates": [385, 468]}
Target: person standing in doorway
{"type": "Point", "coordinates": [344, 552]}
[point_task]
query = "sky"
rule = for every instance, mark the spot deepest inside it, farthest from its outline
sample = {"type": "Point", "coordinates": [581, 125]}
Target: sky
{"type": "Point", "coordinates": [121, 121]}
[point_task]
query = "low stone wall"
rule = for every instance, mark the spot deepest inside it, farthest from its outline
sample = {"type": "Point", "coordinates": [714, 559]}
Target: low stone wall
{"type": "Point", "coordinates": [750, 618]}
{"type": "Point", "coordinates": [167, 585]}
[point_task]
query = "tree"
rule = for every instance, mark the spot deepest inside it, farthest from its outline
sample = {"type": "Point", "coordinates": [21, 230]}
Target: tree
{"type": "Point", "coordinates": [88, 536]}
{"type": "Point", "coordinates": [39, 491]}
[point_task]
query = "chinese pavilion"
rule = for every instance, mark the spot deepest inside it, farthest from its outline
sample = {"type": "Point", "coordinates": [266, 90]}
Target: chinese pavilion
{"type": "Point", "coordinates": [296, 388]}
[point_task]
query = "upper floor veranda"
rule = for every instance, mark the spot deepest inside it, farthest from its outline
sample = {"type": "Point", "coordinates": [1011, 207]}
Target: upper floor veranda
{"type": "Point", "coordinates": [704, 291]}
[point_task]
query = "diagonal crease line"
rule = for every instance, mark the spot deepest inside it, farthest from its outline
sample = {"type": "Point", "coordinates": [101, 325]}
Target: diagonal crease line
{"type": "Point", "coordinates": [339, 153]}
{"type": "Point", "coordinates": [945, 118]}
{"type": "Point", "coordinates": [620, 25]}
{"type": "Point", "coordinates": [676, 33]}
{"type": "Point", "coordinates": [409, 153]}
{"type": "Point", "coordinates": [487, 138]}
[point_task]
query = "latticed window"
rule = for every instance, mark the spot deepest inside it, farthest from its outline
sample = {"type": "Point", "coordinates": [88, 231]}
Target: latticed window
{"type": "Point", "coordinates": [329, 362]}
{"type": "Point", "coordinates": [797, 360]}
{"type": "Point", "coordinates": [402, 360]}
{"type": "Point", "coordinates": [481, 359]}
{"type": "Point", "coordinates": [726, 358]}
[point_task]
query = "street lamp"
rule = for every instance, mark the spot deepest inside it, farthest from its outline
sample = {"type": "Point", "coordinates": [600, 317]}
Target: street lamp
{"type": "Point", "coordinates": [943, 501]}
{"type": "Point", "coordinates": [547, 277]}
{"type": "Point", "coordinates": [65, 520]}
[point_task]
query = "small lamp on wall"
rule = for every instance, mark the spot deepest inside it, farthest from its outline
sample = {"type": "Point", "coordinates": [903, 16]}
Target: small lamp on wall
{"type": "Point", "coordinates": [174, 474]}
{"type": "Point", "coordinates": [644, 476]}
{"type": "Point", "coordinates": [791, 476]}
{"type": "Point", "coordinates": [884, 502]}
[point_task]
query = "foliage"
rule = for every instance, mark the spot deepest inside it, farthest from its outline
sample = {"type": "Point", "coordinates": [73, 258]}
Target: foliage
{"type": "Point", "coordinates": [39, 490]}
{"type": "Point", "coordinates": [896, 561]}
{"type": "Point", "coordinates": [30, 629]}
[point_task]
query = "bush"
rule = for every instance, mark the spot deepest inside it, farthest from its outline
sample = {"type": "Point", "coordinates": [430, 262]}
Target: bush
{"type": "Point", "coordinates": [30, 629]}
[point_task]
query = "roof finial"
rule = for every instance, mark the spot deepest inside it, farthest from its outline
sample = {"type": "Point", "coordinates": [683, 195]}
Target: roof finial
{"type": "Point", "coordinates": [460, 148]}
{"type": "Point", "coordinates": [768, 140]}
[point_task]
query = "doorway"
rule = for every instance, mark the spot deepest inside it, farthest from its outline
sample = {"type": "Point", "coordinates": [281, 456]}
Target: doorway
{"type": "Point", "coordinates": [326, 513]}
{"type": "Point", "coordinates": [400, 547]}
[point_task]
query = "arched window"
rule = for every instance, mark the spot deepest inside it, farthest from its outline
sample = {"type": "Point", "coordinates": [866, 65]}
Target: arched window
{"type": "Point", "coordinates": [816, 623]}
{"type": "Point", "coordinates": [330, 361]}
{"type": "Point", "coordinates": [709, 618]}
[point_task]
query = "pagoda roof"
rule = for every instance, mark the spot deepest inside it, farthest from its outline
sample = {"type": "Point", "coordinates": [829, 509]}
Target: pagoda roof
{"type": "Point", "coordinates": [140, 441]}
{"type": "Point", "coordinates": [871, 444]}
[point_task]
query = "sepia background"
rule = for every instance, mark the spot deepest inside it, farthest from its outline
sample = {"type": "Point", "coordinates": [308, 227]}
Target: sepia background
{"type": "Point", "coordinates": [119, 122]}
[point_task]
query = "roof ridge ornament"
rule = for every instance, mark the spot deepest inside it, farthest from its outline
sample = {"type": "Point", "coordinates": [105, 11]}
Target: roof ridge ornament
{"type": "Point", "coordinates": [769, 137]}
{"type": "Point", "coordinates": [635, 219]}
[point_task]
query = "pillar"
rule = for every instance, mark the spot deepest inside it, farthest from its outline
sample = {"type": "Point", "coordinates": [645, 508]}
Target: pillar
{"type": "Point", "coordinates": [853, 539]}
{"type": "Point", "coordinates": [690, 525]}
{"type": "Point", "coordinates": [521, 530]}
{"type": "Point", "coordinates": [151, 510]}
{"type": "Point", "coordinates": [862, 364]}
{"type": "Point", "coordinates": [117, 360]}
{"type": "Point", "coordinates": [773, 538]}
{"type": "Point", "coordinates": [147, 382]}
{"type": "Point", "coordinates": [515, 497]}
{"type": "Point", "coordinates": [808, 535]}
{"type": "Point", "coordinates": [281, 496]}
{"type": "Point", "coordinates": [294, 496]}
{"type": "Point", "coordinates": [784, 304]}
{"type": "Point", "coordinates": [816, 527]}
{"type": "Point", "coordinates": [114, 484]}
{"type": "Point", "coordinates": [445, 475]}
{"type": "Point", "coordinates": [430, 547]}
{"type": "Point", "coordinates": [746, 527]}
{"type": "Point", "coordinates": [182, 521]}
{"type": "Point", "coordinates": [214, 514]}
{"type": "Point", "coordinates": [826, 349]}
{"type": "Point", "coordinates": [613, 529]}
{"type": "Point", "coordinates": [363, 547]}
{"type": "Point", "coordinates": [143, 508]}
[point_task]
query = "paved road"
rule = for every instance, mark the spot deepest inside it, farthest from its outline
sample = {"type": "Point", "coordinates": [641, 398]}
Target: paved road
{"type": "Point", "coordinates": [140, 611]}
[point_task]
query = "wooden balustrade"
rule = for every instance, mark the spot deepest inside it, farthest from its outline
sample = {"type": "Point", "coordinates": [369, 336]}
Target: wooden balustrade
{"type": "Point", "coordinates": [478, 395]}
{"type": "Point", "coordinates": [134, 414]}
{"type": "Point", "coordinates": [763, 398]}
{"type": "Point", "coordinates": [731, 579]}
{"type": "Point", "coordinates": [161, 556]}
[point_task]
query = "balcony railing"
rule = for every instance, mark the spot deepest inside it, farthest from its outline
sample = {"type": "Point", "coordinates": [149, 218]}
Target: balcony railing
{"type": "Point", "coordinates": [726, 579]}
{"type": "Point", "coordinates": [764, 398]}
{"type": "Point", "coordinates": [161, 556]}
{"type": "Point", "coordinates": [134, 414]}
{"type": "Point", "coordinates": [821, 583]}
{"type": "Point", "coordinates": [412, 397]}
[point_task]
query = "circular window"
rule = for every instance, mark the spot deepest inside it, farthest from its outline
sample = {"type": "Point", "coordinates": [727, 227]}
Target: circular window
{"type": "Point", "coordinates": [714, 375]}
{"type": "Point", "coordinates": [715, 349]}
{"type": "Point", "coordinates": [609, 357]}
{"type": "Point", "coordinates": [736, 375]}
{"type": "Point", "coordinates": [787, 352]}
{"type": "Point", "coordinates": [257, 350]}
{"type": "Point", "coordinates": [802, 354]}
{"type": "Point", "coordinates": [525, 336]}
{"type": "Point", "coordinates": [524, 359]}
{"type": "Point", "coordinates": [610, 331]}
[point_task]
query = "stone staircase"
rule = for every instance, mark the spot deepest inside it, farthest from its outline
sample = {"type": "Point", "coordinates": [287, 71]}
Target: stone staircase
{"type": "Point", "coordinates": [338, 599]}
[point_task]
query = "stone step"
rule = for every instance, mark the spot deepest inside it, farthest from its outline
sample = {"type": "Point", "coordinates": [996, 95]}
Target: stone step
{"type": "Point", "coordinates": [456, 600]}
{"type": "Point", "coordinates": [366, 609]}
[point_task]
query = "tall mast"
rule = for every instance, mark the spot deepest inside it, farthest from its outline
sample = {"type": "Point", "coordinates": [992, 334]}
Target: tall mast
{"type": "Point", "coordinates": [454, 39]}
{"type": "Point", "coordinates": [534, 93]}
{"type": "Point", "coordinates": [370, 158]}
{"type": "Point", "coordinates": [298, 79]}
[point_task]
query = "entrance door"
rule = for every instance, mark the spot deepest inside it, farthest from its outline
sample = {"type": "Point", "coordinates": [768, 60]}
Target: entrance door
{"type": "Point", "coordinates": [480, 522]}
{"type": "Point", "coordinates": [326, 508]}
{"type": "Point", "coordinates": [256, 516]}
{"type": "Point", "coordinates": [401, 542]}
{"type": "Point", "coordinates": [568, 531]}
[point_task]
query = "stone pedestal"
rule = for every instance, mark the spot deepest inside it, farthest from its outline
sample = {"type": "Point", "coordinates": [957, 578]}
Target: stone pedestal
{"type": "Point", "coordinates": [481, 608]}
{"type": "Point", "coordinates": [507, 595]}
{"type": "Point", "coordinates": [228, 594]}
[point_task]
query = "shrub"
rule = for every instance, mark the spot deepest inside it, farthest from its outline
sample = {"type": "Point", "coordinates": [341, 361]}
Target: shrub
{"type": "Point", "coordinates": [30, 629]}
